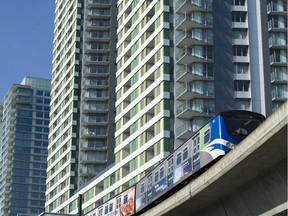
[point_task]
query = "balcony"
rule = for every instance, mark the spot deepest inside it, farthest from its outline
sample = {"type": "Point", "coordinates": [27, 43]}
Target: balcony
{"type": "Point", "coordinates": [197, 89]}
{"type": "Point", "coordinates": [277, 26]}
{"type": "Point", "coordinates": [96, 48]}
{"type": "Point", "coordinates": [94, 133]}
{"type": "Point", "coordinates": [97, 25]}
{"type": "Point", "coordinates": [185, 131]}
{"type": "Point", "coordinates": [98, 14]}
{"type": "Point", "coordinates": [95, 84]}
{"type": "Point", "coordinates": [94, 120]}
{"type": "Point", "coordinates": [95, 96]}
{"type": "Point", "coordinates": [239, 25]}
{"type": "Point", "coordinates": [85, 146]}
{"type": "Point", "coordinates": [193, 5]}
{"type": "Point", "coordinates": [98, 3]}
{"type": "Point", "coordinates": [280, 94]}
{"type": "Point", "coordinates": [95, 72]}
{"type": "Point", "coordinates": [274, 8]}
{"type": "Point", "coordinates": [84, 159]}
{"type": "Point", "coordinates": [241, 8]}
{"type": "Point", "coordinates": [188, 73]}
{"type": "Point", "coordinates": [189, 21]}
{"type": "Point", "coordinates": [195, 37]}
{"type": "Point", "coordinates": [188, 55]}
{"type": "Point", "coordinates": [278, 59]}
{"type": "Point", "coordinates": [99, 60]}
{"type": "Point", "coordinates": [278, 43]}
{"type": "Point", "coordinates": [97, 37]}
{"type": "Point", "coordinates": [242, 94]}
{"type": "Point", "coordinates": [95, 108]}
{"type": "Point", "coordinates": [188, 110]}
{"type": "Point", "coordinates": [279, 78]}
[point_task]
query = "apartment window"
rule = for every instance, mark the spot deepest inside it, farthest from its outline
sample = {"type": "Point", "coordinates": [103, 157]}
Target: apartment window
{"type": "Point", "coordinates": [240, 50]}
{"type": "Point", "coordinates": [111, 207]}
{"type": "Point", "coordinates": [241, 86]}
{"type": "Point", "coordinates": [241, 68]}
{"type": "Point", "coordinates": [239, 2]}
{"type": "Point", "coordinates": [239, 17]}
{"type": "Point", "coordinates": [106, 209]}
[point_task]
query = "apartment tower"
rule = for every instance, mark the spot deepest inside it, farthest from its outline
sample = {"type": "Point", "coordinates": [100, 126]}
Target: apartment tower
{"type": "Point", "coordinates": [82, 97]}
{"type": "Point", "coordinates": [23, 152]}
{"type": "Point", "coordinates": [179, 63]}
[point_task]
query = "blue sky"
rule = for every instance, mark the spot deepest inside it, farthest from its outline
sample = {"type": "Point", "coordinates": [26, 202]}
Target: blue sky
{"type": "Point", "coordinates": [26, 41]}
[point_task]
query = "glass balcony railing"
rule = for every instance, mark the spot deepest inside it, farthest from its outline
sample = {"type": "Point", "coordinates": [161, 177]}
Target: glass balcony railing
{"type": "Point", "coordinates": [201, 52]}
{"type": "Point", "coordinates": [198, 69]}
{"type": "Point", "coordinates": [204, 19]}
{"type": "Point", "coordinates": [275, 7]}
{"type": "Point", "coordinates": [200, 88]}
{"type": "Point", "coordinates": [202, 36]}
{"type": "Point", "coordinates": [199, 108]}
{"type": "Point", "coordinates": [205, 4]}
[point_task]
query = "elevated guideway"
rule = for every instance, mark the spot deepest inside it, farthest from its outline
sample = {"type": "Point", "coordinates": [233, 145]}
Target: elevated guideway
{"type": "Point", "coordinates": [250, 180]}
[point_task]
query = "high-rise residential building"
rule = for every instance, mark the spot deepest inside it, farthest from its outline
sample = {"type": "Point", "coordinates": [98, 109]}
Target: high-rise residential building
{"type": "Point", "coordinates": [82, 96]}
{"type": "Point", "coordinates": [23, 147]}
{"type": "Point", "coordinates": [178, 63]}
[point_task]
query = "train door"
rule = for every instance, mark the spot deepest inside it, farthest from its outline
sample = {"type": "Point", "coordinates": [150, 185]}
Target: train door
{"type": "Point", "coordinates": [196, 154]}
{"type": "Point", "coordinates": [170, 168]}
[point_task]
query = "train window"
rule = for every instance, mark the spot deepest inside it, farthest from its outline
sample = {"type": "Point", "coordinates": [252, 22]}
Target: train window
{"type": "Point", "coordinates": [178, 158]}
{"type": "Point", "coordinates": [156, 176]}
{"type": "Point", "coordinates": [100, 212]}
{"type": "Point", "coordinates": [161, 172]}
{"type": "Point", "coordinates": [106, 210]}
{"type": "Point", "coordinates": [196, 142]}
{"type": "Point", "coordinates": [185, 153]}
{"type": "Point", "coordinates": [111, 207]}
{"type": "Point", "coordinates": [142, 188]}
{"type": "Point", "coordinates": [118, 202]}
{"type": "Point", "coordinates": [206, 136]}
{"type": "Point", "coordinates": [170, 165]}
{"type": "Point", "coordinates": [149, 182]}
{"type": "Point", "coordinates": [125, 199]}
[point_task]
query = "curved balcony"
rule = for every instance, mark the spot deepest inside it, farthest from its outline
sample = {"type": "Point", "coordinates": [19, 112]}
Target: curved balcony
{"type": "Point", "coordinates": [274, 8]}
{"type": "Point", "coordinates": [95, 72]}
{"type": "Point", "coordinates": [97, 25]}
{"type": "Point", "coordinates": [188, 110]}
{"type": "Point", "coordinates": [197, 89]}
{"type": "Point", "coordinates": [95, 108]}
{"type": "Point", "coordinates": [94, 133]}
{"type": "Point", "coordinates": [278, 43]}
{"type": "Point", "coordinates": [85, 146]}
{"type": "Point", "coordinates": [279, 77]}
{"type": "Point", "coordinates": [193, 5]}
{"type": "Point", "coordinates": [190, 20]}
{"type": "Point", "coordinates": [280, 94]}
{"type": "Point", "coordinates": [98, 3]}
{"type": "Point", "coordinates": [97, 36]}
{"type": "Point", "coordinates": [188, 55]}
{"type": "Point", "coordinates": [278, 59]}
{"type": "Point", "coordinates": [277, 26]}
{"type": "Point", "coordinates": [98, 14]}
{"type": "Point", "coordinates": [197, 71]}
{"type": "Point", "coordinates": [96, 48]}
{"type": "Point", "coordinates": [192, 36]}
{"type": "Point", "coordinates": [184, 131]}
{"type": "Point", "coordinates": [95, 84]}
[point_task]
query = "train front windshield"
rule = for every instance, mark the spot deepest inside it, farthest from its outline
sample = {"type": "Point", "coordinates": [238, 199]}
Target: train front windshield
{"type": "Point", "coordinates": [241, 125]}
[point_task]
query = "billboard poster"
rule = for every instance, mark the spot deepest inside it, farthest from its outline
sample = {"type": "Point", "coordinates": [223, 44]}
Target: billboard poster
{"type": "Point", "coordinates": [127, 202]}
{"type": "Point", "coordinates": [181, 171]}
{"type": "Point", "coordinates": [159, 187]}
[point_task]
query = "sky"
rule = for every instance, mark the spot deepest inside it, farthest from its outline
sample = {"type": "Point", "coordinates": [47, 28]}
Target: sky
{"type": "Point", "coordinates": [26, 41]}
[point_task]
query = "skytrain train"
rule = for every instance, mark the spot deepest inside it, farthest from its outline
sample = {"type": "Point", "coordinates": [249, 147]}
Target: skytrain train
{"type": "Point", "coordinates": [216, 138]}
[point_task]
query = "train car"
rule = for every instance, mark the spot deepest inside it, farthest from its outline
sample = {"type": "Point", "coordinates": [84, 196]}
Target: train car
{"type": "Point", "coordinates": [216, 138]}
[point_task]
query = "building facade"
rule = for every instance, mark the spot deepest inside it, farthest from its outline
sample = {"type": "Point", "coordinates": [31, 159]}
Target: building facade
{"type": "Point", "coordinates": [82, 97]}
{"type": "Point", "coordinates": [179, 63]}
{"type": "Point", "coordinates": [24, 141]}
